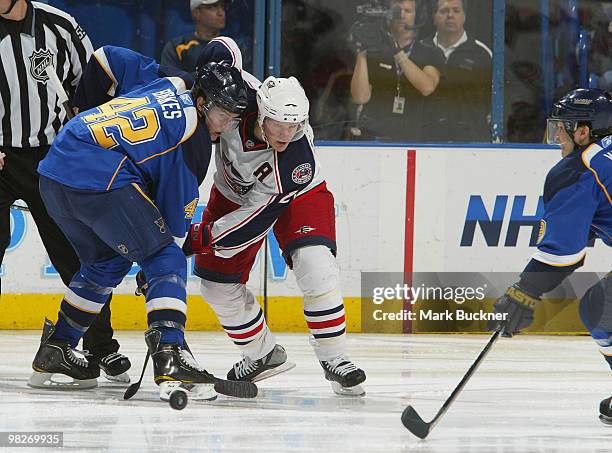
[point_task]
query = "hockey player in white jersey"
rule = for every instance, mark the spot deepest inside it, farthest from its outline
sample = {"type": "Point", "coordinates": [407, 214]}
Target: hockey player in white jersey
{"type": "Point", "coordinates": [268, 177]}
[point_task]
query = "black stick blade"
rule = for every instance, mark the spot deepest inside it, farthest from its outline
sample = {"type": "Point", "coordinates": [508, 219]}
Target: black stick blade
{"type": "Point", "coordinates": [237, 389]}
{"type": "Point", "coordinates": [414, 423]}
{"type": "Point", "coordinates": [131, 391]}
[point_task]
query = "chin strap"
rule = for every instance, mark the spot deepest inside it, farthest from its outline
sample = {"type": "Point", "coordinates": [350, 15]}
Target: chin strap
{"type": "Point", "coordinates": [8, 11]}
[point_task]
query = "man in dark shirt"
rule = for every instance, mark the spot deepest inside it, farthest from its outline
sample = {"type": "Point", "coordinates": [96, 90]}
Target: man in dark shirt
{"type": "Point", "coordinates": [392, 82]}
{"type": "Point", "coordinates": [209, 19]}
{"type": "Point", "coordinates": [459, 109]}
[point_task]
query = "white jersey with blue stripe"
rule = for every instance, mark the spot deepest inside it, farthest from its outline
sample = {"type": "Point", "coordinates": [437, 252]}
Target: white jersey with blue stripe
{"type": "Point", "coordinates": [250, 173]}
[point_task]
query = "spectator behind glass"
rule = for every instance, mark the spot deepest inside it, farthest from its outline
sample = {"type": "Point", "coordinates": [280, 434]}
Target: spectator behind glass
{"type": "Point", "coordinates": [209, 19]}
{"type": "Point", "coordinates": [393, 75]}
{"type": "Point", "coordinates": [600, 55]}
{"type": "Point", "coordinates": [459, 109]}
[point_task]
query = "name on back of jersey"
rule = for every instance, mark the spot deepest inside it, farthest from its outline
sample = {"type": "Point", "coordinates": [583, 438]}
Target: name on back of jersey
{"type": "Point", "coordinates": [169, 104]}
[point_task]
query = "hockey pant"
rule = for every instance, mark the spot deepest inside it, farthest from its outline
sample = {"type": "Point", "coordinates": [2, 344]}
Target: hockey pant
{"type": "Point", "coordinates": [318, 278]}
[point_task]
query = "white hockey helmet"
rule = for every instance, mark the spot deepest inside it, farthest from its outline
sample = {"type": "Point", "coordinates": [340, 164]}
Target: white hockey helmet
{"type": "Point", "coordinates": [284, 100]}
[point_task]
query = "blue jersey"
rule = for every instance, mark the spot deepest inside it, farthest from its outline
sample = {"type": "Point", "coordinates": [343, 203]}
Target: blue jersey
{"type": "Point", "coordinates": [150, 136]}
{"type": "Point", "coordinates": [114, 71]}
{"type": "Point", "coordinates": [577, 205]}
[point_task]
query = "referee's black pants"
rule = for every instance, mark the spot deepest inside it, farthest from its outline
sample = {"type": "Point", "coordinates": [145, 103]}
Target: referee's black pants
{"type": "Point", "coordinates": [19, 180]}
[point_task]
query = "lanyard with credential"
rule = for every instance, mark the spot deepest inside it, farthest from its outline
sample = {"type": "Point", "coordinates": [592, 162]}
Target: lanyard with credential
{"type": "Point", "coordinates": [398, 100]}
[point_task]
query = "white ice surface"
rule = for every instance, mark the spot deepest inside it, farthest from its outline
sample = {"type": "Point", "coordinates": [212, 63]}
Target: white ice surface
{"type": "Point", "coordinates": [532, 394]}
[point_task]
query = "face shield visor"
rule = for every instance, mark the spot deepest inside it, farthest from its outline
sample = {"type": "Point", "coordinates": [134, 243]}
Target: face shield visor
{"type": "Point", "coordinates": [559, 132]}
{"type": "Point", "coordinates": [283, 131]}
{"type": "Point", "coordinates": [220, 120]}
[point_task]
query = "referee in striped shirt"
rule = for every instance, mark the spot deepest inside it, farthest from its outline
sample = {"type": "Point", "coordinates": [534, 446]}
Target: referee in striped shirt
{"type": "Point", "coordinates": [33, 36]}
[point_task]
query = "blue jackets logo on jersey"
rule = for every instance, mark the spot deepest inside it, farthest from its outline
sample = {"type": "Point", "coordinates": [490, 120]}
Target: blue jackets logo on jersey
{"type": "Point", "coordinates": [39, 60]}
{"type": "Point", "coordinates": [302, 173]}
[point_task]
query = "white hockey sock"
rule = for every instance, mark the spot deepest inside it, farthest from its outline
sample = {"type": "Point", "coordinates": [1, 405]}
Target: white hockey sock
{"type": "Point", "coordinates": [240, 316]}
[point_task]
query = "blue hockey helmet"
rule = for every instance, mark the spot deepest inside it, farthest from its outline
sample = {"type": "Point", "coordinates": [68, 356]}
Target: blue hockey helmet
{"type": "Point", "coordinates": [584, 106]}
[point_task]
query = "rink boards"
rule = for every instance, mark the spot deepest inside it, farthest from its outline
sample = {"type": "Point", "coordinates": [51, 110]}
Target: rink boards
{"type": "Point", "coordinates": [398, 209]}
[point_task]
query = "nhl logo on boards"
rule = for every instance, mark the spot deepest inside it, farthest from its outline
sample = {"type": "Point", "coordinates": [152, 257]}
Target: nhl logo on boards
{"type": "Point", "coordinates": [302, 173]}
{"type": "Point", "coordinates": [39, 60]}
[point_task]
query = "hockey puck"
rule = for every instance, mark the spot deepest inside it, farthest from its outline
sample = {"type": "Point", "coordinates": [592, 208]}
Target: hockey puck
{"type": "Point", "coordinates": [178, 400]}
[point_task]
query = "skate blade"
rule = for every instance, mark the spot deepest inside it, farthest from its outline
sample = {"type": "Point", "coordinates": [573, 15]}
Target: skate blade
{"type": "Point", "coordinates": [605, 419]}
{"type": "Point", "coordinates": [274, 371]}
{"type": "Point", "coordinates": [58, 381]}
{"type": "Point", "coordinates": [123, 378]}
{"type": "Point", "coordinates": [196, 392]}
{"type": "Point", "coordinates": [356, 390]}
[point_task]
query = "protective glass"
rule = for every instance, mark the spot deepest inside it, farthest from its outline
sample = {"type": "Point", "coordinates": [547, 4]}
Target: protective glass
{"type": "Point", "coordinates": [220, 119]}
{"type": "Point", "coordinates": [558, 131]}
{"type": "Point", "coordinates": [282, 131]}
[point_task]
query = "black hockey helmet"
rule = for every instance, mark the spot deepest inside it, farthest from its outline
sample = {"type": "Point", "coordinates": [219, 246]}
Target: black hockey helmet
{"type": "Point", "coordinates": [222, 85]}
{"type": "Point", "coordinates": [584, 106]}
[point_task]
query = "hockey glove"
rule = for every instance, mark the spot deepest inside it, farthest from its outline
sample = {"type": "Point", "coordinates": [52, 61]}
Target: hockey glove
{"type": "Point", "coordinates": [198, 240]}
{"type": "Point", "coordinates": [518, 306]}
{"type": "Point", "coordinates": [141, 284]}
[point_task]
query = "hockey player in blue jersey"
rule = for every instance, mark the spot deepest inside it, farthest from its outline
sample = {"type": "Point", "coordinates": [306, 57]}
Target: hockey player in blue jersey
{"type": "Point", "coordinates": [121, 180]}
{"type": "Point", "coordinates": [578, 207]}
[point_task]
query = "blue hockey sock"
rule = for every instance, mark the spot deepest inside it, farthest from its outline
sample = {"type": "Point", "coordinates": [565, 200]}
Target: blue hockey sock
{"type": "Point", "coordinates": [170, 335]}
{"type": "Point", "coordinates": [65, 332]}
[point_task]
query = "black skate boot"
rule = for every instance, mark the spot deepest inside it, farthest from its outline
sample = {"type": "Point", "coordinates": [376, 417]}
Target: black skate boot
{"type": "Point", "coordinates": [57, 357]}
{"type": "Point", "coordinates": [114, 366]}
{"type": "Point", "coordinates": [275, 362]}
{"type": "Point", "coordinates": [344, 376]}
{"type": "Point", "coordinates": [605, 411]}
{"type": "Point", "coordinates": [175, 367]}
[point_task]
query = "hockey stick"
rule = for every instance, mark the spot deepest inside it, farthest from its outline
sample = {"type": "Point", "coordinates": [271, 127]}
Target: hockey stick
{"type": "Point", "coordinates": [420, 428]}
{"type": "Point", "coordinates": [237, 389]}
{"type": "Point", "coordinates": [133, 388]}
{"type": "Point", "coordinates": [265, 282]}
{"type": "Point", "coordinates": [152, 338]}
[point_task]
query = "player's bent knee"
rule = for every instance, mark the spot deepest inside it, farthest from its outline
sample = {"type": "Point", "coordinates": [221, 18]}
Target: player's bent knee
{"type": "Point", "coordinates": [316, 270]}
{"type": "Point", "coordinates": [224, 296]}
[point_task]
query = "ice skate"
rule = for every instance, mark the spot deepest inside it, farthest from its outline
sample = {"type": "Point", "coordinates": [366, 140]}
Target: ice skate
{"type": "Point", "coordinates": [344, 376]}
{"type": "Point", "coordinates": [605, 411]}
{"type": "Point", "coordinates": [173, 366]}
{"type": "Point", "coordinates": [275, 362]}
{"type": "Point", "coordinates": [59, 366]}
{"type": "Point", "coordinates": [114, 366]}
